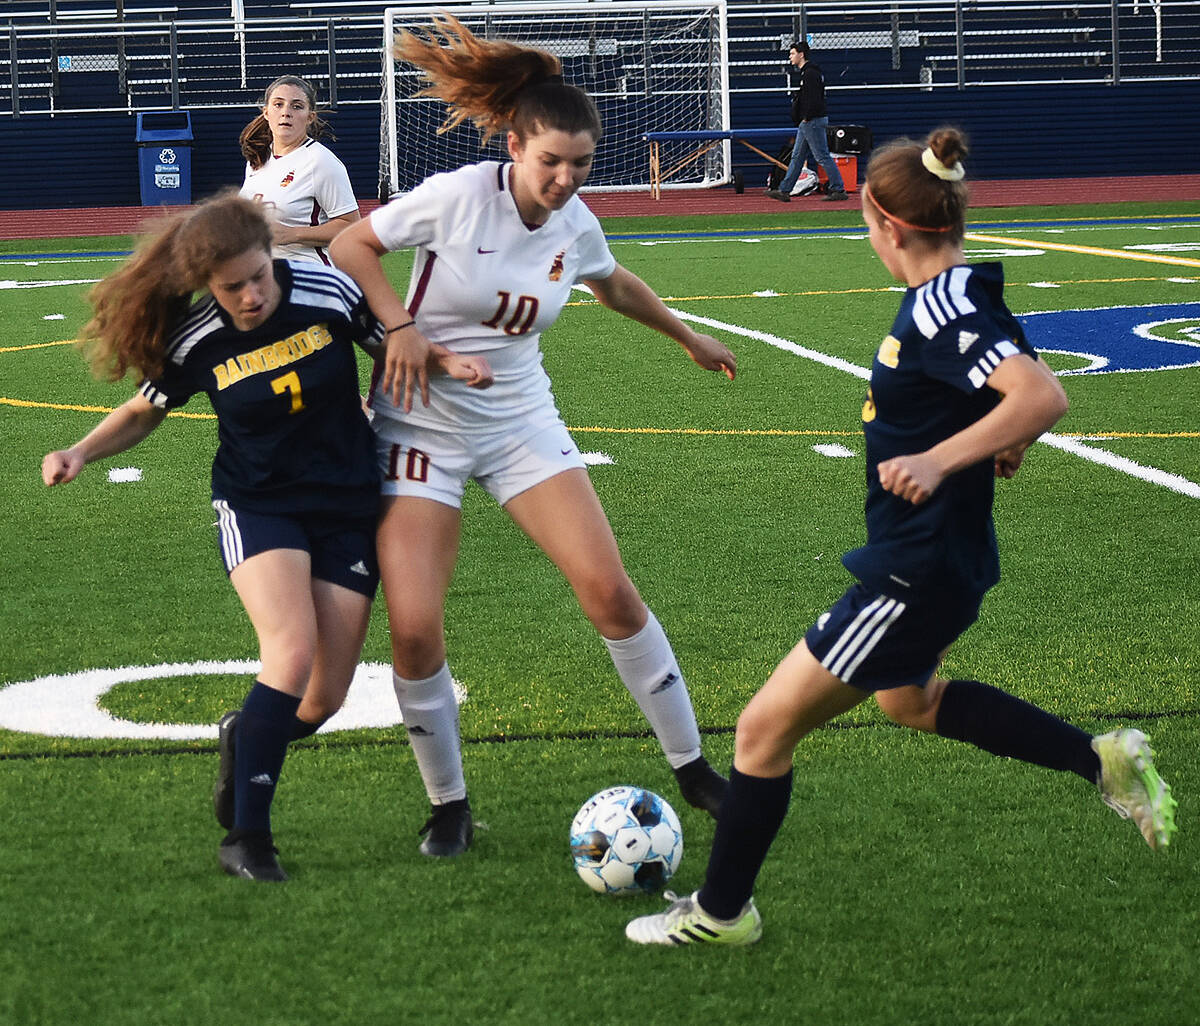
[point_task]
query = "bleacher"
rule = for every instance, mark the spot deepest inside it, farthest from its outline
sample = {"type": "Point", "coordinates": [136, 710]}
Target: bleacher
{"type": "Point", "coordinates": [73, 70]}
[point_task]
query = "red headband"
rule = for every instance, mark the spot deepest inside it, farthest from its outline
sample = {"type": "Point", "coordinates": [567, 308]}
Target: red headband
{"type": "Point", "coordinates": [867, 194]}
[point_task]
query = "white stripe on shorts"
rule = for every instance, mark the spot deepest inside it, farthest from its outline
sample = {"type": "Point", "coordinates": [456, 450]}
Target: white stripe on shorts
{"type": "Point", "coordinates": [861, 637]}
{"type": "Point", "coordinates": [231, 535]}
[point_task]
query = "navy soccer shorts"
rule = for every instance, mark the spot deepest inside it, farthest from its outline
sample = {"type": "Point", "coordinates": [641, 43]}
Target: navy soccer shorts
{"type": "Point", "coordinates": [875, 642]}
{"type": "Point", "coordinates": [342, 550]}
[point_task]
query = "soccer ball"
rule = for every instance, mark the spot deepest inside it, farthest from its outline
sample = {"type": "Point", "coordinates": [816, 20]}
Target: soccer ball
{"type": "Point", "coordinates": [626, 840]}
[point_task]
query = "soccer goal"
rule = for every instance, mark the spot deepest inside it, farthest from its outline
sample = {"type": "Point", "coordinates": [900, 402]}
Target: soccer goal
{"type": "Point", "coordinates": [653, 66]}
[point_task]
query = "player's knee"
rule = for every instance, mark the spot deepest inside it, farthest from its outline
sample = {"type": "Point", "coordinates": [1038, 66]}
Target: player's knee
{"type": "Point", "coordinates": [317, 712]}
{"type": "Point", "coordinates": [914, 707]}
{"type": "Point", "coordinates": [613, 605]}
{"type": "Point", "coordinates": [760, 746]}
{"type": "Point", "coordinates": [287, 662]}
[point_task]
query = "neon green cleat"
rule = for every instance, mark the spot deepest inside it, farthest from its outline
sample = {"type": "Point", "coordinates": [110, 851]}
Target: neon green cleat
{"type": "Point", "coordinates": [685, 922]}
{"type": "Point", "coordinates": [1130, 784]}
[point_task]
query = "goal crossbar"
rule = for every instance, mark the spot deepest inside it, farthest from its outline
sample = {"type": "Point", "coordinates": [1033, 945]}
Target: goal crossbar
{"type": "Point", "coordinates": [655, 65]}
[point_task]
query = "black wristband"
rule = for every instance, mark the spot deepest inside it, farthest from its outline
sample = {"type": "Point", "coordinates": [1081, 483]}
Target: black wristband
{"type": "Point", "coordinates": [400, 327]}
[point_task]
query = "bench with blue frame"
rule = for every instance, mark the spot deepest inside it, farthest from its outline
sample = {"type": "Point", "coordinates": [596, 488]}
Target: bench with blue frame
{"type": "Point", "coordinates": [845, 141]}
{"type": "Point", "coordinates": [707, 140]}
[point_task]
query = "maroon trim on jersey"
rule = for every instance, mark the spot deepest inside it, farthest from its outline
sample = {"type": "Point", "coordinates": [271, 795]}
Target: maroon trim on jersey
{"type": "Point", "coordinates": [422, 285]}
{"type": "Point", "coordinates": [314, 220]}
{"type": "Point", "coordinates": [376, 377]}
{"type": "Point", "coordinates": [418, 295]}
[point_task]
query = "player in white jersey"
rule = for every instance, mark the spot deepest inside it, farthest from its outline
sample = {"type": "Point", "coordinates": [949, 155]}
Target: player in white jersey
{"type": "Point", "coordinates": [292, 174]}
{"type": "Point", "coordinates": [498, 248]}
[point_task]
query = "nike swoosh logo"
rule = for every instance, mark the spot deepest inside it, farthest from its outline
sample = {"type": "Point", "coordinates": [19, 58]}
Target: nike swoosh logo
{"type": "Point", "coordinates": [480, 249]}
{"type": "Point", "coordinates": [566, 452]}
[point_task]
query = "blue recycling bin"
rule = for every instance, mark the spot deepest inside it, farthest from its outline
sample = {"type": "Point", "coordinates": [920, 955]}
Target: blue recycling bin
{"type": "Point", "coordinates": [164, 139]}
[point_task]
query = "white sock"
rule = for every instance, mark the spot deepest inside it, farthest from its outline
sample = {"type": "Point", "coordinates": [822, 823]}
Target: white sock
{"type": "Point", "coordinates": [431, 718]}
{"type": "Point", "coordinates": [650, 671]}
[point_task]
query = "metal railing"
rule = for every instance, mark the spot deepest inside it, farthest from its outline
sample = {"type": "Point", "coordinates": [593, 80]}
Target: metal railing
{"type": "Point", "coordinates": [150, 58]}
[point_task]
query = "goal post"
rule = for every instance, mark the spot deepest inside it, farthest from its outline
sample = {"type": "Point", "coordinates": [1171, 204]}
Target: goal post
{"type": "Point", "coordinates": [653, 66]}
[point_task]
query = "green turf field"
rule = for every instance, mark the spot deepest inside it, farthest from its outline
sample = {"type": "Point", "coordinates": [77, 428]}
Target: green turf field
{"type": "Point", "coordinates": [915, 880]}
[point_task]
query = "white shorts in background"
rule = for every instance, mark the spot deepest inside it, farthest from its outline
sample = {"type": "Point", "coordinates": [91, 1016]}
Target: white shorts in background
{"type": "Point", "coordinates": [438, 464]}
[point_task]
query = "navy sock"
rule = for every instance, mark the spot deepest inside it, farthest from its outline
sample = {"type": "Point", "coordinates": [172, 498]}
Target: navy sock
{"type": "Point", "coordinates": [1003, 724]}
{"type": "Point", "coordinates": [751, 815]}
{"type": "Point", "coordinates": [263, 731]}
{"type": "Point", "coordinates": [302, 728]}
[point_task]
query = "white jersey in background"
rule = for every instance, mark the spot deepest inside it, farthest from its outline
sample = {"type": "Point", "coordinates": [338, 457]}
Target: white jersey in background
{"type": "Point", "coordinates": [304, 188]}
{"type": "Point", "coordinates": [483, 281]}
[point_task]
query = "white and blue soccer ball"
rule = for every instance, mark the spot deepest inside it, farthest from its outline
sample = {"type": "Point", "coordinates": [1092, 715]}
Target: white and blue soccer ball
{"type": "Point", "coordinates": [626, 840]}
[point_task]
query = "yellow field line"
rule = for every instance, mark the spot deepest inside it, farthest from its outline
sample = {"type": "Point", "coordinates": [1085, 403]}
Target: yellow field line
{"type": "Point", "coordinates": [1065, 247]}
{"type": "Point", "coordinates": [73, 408]}
{"type": "Point", "coordinates": [598, 429]}
{"type": "Point", "coordinates": [35, 345]}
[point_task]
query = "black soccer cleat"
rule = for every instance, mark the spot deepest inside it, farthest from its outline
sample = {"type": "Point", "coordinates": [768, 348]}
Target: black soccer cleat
{"type": "Point", "coordinates": [702, 786]}
{"type": "Point", "coordinates": [251, 855]}
{"type": "Point", "coordinates": [223, 789]}
{"type": "Point", "coordinates": [449, 829]}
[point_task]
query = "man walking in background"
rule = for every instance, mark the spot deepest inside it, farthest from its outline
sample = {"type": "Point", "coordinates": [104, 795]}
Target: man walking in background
{"type": "Point", "coordinates": [808, 111]}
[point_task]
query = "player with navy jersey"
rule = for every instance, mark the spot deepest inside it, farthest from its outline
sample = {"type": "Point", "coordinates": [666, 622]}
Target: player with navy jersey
{"type": "Point", "coordinates": [498, 248]}
{"type": "Point", "coordinates": [957, 396]}
{"type": "Point", "coordinates": [294, 479]}
{"type": "Point", "coordinates": [295, 176]}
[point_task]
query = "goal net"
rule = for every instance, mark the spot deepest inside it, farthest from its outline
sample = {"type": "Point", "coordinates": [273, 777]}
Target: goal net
{"type": "Point", "coordinates": [654, 66]}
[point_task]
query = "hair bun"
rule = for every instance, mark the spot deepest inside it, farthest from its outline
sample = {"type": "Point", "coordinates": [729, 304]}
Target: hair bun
{"type": "Point", "coordinates": [934, 165]}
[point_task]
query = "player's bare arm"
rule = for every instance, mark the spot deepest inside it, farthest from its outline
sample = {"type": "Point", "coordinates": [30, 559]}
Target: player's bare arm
{"type": "Point", "coordinates": [359, 253]}
{"type": "Point", "coordinates": [313, 235]}
{"type": "Point", "coordinates": [122, 429]}
{"type": "Point", "coordinates": [1032, 401]}
{"type": "Point", "coordinates": [626, 293]}
{"type": "Point", "coordinates": [472, 370]}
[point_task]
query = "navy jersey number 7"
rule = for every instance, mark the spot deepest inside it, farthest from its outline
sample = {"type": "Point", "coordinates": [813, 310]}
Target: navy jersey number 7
{"type": "Point", "coordinates": [292, 434]}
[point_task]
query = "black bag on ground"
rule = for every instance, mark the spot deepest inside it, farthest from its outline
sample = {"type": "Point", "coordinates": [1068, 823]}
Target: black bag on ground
{"type": "Point", "coordinates": [784, 157]}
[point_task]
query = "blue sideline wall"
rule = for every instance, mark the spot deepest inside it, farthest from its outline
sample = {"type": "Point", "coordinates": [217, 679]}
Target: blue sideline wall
{"type": "Point", "coordinates": [1016, 132]}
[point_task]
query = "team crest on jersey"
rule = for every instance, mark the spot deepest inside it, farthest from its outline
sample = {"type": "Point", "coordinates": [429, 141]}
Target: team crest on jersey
{"type": "Point", "coordinates": [287, 179]}
{"type": "Point", "coordinates": [556, 268]}
{"type": "Point", "coordinates": [889, 352]}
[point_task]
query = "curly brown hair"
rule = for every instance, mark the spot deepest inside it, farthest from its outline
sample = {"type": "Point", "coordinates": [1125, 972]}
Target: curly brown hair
{"type": "Point", "coordinates": [496, 84]}
{"type": "Point", "coordinates": [136, 307]}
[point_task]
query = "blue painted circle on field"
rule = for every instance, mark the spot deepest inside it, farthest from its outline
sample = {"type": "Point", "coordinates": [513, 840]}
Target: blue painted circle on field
{"type": "Point", "coordinates": [1120, 339]}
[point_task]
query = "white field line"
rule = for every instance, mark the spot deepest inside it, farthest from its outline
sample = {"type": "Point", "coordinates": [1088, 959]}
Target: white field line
{"type": "Point", "coordinates": [1127, 466]}
{"type": "Point", "coordinates": [1103, 457]}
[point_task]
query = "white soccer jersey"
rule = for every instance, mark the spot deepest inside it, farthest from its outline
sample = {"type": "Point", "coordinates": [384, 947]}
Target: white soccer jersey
{"type": "Point", "coordinates": [483, 281]}
{"type": "Point", "coordinates": [304, 188]}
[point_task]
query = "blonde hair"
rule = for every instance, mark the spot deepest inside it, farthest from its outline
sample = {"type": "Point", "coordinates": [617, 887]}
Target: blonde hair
{"type": "Point", "coordinates": [902, 187]}
{"type": "Point", "coordinates": [496, 84]}
{"type": "Point", "coordinates": [135, 308]}
{"type": "Point", "coordinates": [256, 141]}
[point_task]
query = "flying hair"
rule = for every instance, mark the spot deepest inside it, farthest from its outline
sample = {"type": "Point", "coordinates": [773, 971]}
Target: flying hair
{"type": "Point", "coordinates": [136, 307]}
{"type": "Point", "coordinates": [496, 84]}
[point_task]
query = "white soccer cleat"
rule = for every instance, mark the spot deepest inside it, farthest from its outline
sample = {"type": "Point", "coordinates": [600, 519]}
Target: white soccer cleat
{"type": "Point", "coordinates": [685, 922]}
{"type": "Point", "coordinates": [1130, 785]}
